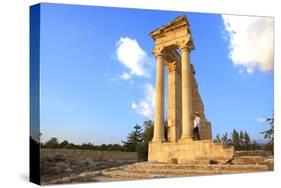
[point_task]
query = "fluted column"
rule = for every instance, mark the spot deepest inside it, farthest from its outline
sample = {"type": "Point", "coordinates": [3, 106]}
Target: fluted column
{"type": "Point", "coordinates": [186, 94]}
{"type": "Point", "coordinates": [158, 134]}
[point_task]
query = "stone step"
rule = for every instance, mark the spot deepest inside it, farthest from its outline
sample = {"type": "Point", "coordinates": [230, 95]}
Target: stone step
{"type": "Point", "coordinates": [188, 172]}
{"type": "Point", "coordinates": [128, 175]}
{"type": "Point", "coordinates": [193, 167]}
{"type": "Point", "coordinates": [148, 171]}
{"type": "Point", "coordinates": [269, 161]}
{"type": "Point", "coordinates": [173, 172]}
{"type": "Point", "coordinates": [253, 153]}
{"type": "Point", "coordinates": [249, 160]}
{"type": "Point", "coordinates": [131, 175]}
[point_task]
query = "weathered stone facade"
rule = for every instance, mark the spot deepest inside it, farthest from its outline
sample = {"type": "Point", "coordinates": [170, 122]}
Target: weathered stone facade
{"type": "Point", "coordinates": [173, 45]}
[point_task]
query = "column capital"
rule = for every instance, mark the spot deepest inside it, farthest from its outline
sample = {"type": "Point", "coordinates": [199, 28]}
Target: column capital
{"type": "Point", "coordinates": [187, 46]}
{"type": "Point", "coordinates": [172, 66]}
{"type": "Point", "coordinates": [158, 51]}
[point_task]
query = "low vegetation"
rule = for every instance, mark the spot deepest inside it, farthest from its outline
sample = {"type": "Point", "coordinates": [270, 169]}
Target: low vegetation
{"type": "Point", "coordinates": [138, 139]}
{"type": "Point", "coordinates": [242, 141]}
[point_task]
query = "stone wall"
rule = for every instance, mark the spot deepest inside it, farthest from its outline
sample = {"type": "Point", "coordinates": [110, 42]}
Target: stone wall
{"type": "Point", "coordinates": [78, 154]}
{"type": "Point", "coordinates": [198, 106]}
{"type": "Point", "coordinates": [191, 151]}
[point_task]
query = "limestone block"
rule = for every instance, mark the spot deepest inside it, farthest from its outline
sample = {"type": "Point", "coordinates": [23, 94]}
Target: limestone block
{"type": "Point", "coordinates": [189, 151]}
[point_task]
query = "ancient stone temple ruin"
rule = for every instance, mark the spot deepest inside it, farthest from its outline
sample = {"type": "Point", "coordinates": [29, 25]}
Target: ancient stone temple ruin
{"type": "Point", "coordinates": [173, 45]}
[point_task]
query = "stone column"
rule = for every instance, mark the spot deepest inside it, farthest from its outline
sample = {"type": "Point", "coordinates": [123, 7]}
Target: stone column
{"type": "Point", "coordinates": [158, 134]}
{"type": "Point", "coordinates": [186, 95]}
{"type": "Point", "coordinates": [172, 101]}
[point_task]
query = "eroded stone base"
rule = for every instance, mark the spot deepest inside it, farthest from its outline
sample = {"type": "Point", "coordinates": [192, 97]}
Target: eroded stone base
{"type": "Point", "coordinates": [189, 151]}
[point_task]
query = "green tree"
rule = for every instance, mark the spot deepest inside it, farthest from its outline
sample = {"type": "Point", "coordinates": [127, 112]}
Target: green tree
{"type": "Point", "coordinates": [254, 146]}
{"type": "Point", "coordinates": [64, 143]}
{"type": "Point", "coordinates": [71, 146]}
{"type": "Point", "coordinates": [235, 141]}
{"type": "Point", "coordinates": [148, 131]}
{"type": "Point", "coordinates": [103, 147]}
{"type": "Point", "coordinates": [241, 140]}
{"type": "Point", "coordinates": [86, 146]}
{"type": "Point", "coordinates": [52, 143]}
{"type": "Point", "coordinates": [147, 135]}
{"type": "Point", "coordinates": [134, 138]}
{"type": "Point", "coordinates": [224, 139]}
{"type": "Point", "coordinates": [246, 141]}
{"type": "Point", "coordinates": [269, 134]}
{"type": "Point", "coordinates": [218, 138]}
{"type": "Point", "coordinates": [114, 147]}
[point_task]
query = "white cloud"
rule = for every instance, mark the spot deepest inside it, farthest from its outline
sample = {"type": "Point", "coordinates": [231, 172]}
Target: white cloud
{"type": "Point", "coordinates": [146, 105]}
{"type": "Point", "coordinates": [134, 105]}
{"type": "Point", "coordinates": [250, 42]}
{"type": "Point", "coordinates": [261, 120]}
{"type": "Point", "coordinates": [133, 57]}
{"type": "Point", "coordinates": [125, 76]}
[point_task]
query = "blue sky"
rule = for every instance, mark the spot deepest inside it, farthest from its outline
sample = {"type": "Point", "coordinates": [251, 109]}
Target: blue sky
{"type": "Point", "coordinates": [98, 72]}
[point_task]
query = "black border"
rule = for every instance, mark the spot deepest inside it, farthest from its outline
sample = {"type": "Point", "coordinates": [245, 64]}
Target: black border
{"type": "Point", "coordinates": [34, 138]}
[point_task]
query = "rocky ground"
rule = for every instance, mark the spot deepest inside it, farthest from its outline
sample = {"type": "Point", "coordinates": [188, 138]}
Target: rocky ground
{"type": "Point", "coordinates": [57, 167]}
{"type": "Point", "coordinates": [96, 171]}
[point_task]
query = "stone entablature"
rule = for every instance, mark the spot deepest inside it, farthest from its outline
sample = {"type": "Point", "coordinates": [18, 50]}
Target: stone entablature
{"type": "Point", "coordinates": [175, 34]}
